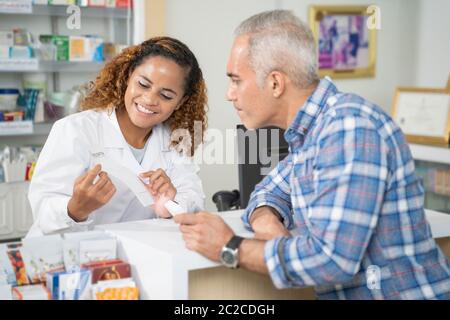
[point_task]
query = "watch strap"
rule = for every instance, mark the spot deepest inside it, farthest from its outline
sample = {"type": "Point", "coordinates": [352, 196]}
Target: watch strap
{"type": "Point", "coordinates": [234, 242]}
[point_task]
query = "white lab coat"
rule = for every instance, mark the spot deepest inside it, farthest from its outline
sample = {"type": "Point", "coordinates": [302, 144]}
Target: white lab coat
{"type": "Point", "coordinates": [67, 155]}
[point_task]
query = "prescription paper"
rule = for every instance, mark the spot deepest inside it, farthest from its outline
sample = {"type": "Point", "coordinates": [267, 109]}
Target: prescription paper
{"type": "Point", "coordinates": [130, 179]}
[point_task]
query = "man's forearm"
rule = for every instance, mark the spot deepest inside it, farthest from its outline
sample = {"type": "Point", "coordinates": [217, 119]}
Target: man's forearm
{"type": "Point", "coordinates": [251, 255]}
{"type": "Point", "coordinates": [264, 210]}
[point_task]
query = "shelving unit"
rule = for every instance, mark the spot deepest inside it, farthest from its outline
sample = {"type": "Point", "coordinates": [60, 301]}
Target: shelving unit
{"type": "Point", "coordinates": [113, 24]}
{"type": "Point", "coordinates": [34, 65]}
{"type": "Point", "coordinates": [430, 153]}
{"type": "Point", "coordinates": [428, 159]}
{"type": "Point", "coordinates": [61, 11]}
{"type": "Point", "coordinates": [24, 128]}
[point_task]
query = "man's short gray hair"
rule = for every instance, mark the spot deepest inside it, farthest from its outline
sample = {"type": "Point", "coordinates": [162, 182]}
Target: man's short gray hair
{"type": "Point", "coordinates": [280, 41]}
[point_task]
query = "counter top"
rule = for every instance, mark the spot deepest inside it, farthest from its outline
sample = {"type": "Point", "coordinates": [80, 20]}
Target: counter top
{"type": "Point", "coordinates": [161, 262]}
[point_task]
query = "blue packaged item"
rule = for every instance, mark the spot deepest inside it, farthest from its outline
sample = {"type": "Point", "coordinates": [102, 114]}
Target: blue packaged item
{"type": "Point", "coordinates": [70, 285]}
{"type": "Point", "coordinates": [31, 97]}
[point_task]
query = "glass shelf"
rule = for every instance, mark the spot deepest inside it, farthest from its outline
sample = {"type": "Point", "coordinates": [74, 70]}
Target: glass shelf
{"type": "Point", "coordinates": [60, 11]}
{"type": "Point", "coordinates": [24, 128]}
{"type": "Point", "coordinates": [435, 178]}
{"type": "Point", "coordinates": [430, 153]}
{"type": "Point", "coordinates": [27, 65]}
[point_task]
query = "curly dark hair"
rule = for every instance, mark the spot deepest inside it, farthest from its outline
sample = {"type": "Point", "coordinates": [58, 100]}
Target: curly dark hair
{"type": "Point", "coordinates": [108, 89]}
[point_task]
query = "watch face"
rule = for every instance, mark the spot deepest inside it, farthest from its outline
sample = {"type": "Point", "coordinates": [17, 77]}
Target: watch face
{"type": "Point", "coordinates": [228, 257]}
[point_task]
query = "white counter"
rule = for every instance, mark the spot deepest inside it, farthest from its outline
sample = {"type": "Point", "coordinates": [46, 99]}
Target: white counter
{"type": "Point", "coordinates": [161, 263]}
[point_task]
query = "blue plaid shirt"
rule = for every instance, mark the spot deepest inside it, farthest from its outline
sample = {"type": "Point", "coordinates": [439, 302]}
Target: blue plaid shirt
{"type": "Point", "coordinates": [349, 194]}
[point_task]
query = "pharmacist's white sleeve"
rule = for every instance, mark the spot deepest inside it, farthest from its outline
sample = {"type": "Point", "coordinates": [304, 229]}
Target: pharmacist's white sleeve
{"type": "Point", "coordinates": [64, 157]}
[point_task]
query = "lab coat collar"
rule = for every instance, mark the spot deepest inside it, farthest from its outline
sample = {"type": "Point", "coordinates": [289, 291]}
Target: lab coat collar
{"type": "Point", "coordinates": [113, 137]}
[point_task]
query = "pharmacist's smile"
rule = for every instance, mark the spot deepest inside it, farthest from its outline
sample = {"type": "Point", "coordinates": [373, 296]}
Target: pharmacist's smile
{"type": "Point", "coordinates": [144, 109]}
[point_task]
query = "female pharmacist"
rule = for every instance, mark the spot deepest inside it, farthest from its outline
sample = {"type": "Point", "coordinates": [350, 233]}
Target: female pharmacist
{"type": "Point", "coordinates": [142, 98]}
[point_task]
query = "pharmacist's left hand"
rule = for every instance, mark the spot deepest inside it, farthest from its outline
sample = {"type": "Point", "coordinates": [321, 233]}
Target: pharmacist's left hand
{"type": "Point", "coordinates": [204, 233]}
{"type": "Point", "coordinates": [159, 184]}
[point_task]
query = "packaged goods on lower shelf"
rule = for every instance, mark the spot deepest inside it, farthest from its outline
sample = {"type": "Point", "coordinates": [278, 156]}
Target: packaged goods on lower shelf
{"type": "Point", "coordinates": [31, 292]}
{"type": "Point", "coordinates": [70, 266]}
{"type": "Point", "coordinates": [124, 289]}
{"type": "Point", "coordinates": [108, 270]}
{"type": "Point", "coordinates": [70, 285]}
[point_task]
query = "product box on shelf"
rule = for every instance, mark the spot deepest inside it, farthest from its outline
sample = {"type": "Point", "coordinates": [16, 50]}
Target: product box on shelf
{"type": "Point", "coordinates": [123, 289]}
{"type": "Point", "coordinates": [108, 270]}
{"type": "Point", "coordinates": [61, 43]}
{"type": "Point", "coordinates": [69, 285]}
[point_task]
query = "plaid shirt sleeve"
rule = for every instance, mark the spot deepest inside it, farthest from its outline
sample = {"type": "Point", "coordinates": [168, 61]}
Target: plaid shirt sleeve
{"type": "Point", "coordinates": [273, 191]}
{"type": "Point", "coordinates": [348, 181]}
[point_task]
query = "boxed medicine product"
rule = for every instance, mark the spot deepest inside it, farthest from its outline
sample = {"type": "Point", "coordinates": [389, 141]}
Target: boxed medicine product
{"type": "Point", "coordinates": [123, 289]}
{"type": "Point", "coordinates": [108, 270]}
{"type": "Point", "coordinates": [60, 42]}
{"type": "Point", "coordinates": [69, 285]}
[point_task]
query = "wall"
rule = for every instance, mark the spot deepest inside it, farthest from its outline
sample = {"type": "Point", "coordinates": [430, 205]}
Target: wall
{"type": "Point", "coordinates": [433, 44]}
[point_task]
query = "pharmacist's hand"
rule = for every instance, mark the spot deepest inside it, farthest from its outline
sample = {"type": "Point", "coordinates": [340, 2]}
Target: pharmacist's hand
{"type": "Point", "coordinates": [204, 233]}
{"type": "Point", "coordinates": [159, 207]}
{"type": "Point", "coordinates": [266, 224]}
{"type": "Point", "coordinates": [89, 196]}
{"type": "Point", "coordinates": [159, 184]}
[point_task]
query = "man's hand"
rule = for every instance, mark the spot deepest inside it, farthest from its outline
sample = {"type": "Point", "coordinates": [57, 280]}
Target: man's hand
{"type": "Point", "coordinates": [204, 233]}
{"type": "Point", "coordinates": [266, 223]}
{"type": "Point", "coordinates": [89, 196]}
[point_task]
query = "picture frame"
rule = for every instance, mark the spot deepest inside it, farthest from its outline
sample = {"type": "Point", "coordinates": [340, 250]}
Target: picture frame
{"type": "Point", "coordinates": [346, 46]}
{"type": "Point", "coordinates": [423, 114]}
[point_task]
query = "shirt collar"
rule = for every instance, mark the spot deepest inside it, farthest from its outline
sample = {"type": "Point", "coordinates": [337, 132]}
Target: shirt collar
{"type": "Point", "coordinates": [311, 109]}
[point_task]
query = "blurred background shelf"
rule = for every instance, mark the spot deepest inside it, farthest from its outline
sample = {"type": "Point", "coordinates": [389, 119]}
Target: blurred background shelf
{"type": "Point", "coordinates": [27, 65]}
{"type": "Point", "coordinates": [24, 128]}
{"type": "Point", "coordinates": [430, 153]}
{"type": "Point", "coordinates": [61, 11]}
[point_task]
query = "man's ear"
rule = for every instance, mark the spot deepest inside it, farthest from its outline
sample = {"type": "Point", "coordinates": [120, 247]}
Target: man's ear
{"type": "Point", "coordinates": [277, 83]}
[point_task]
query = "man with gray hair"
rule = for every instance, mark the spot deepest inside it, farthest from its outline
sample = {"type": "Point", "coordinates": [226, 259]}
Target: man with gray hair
{"type": "Point", "coordinates": [343, 212]}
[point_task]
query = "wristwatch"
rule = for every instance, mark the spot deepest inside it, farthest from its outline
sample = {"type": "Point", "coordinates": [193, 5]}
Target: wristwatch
{"type": "Point", "coordinates": [229, 256]}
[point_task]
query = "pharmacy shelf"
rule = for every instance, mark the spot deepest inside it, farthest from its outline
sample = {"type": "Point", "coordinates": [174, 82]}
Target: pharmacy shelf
{"type": "Point", "coordinates": [430, 153]}
{"type": "Point", "coordinates": [27, 65]}
{"type": "Point", "coordinates": [61, 11]}
{"type": "Point", "coordinates": [24, 128]}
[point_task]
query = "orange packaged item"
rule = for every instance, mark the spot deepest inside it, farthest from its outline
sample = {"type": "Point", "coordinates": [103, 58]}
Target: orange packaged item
{"type": "Point", "coordinates": [123, 289]}
{"type": "Point", "coordinates": [126, 293]}
{"type": "Point", "coordinates": [15, 257]}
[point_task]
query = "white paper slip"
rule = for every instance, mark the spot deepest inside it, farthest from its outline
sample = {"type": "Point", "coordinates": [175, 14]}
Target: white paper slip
{"type": "Point", "coordinates": [174, 208]}
{"type": "Point", "coordinates": [130, 179]}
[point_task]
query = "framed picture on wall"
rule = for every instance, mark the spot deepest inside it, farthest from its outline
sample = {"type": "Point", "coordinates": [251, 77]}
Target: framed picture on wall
{"type": "Point", "coordinates": [346, 46]}
{"type": "Point", "coordinates": [423, 114]}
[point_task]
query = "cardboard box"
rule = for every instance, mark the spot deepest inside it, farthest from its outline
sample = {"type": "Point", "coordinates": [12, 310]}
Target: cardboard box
{"type": "Point", "coordinates": [108, 270]}
{"type": "Point", "coordinates": [61, 43]}
{"type": "Point", "coordinates": [73, 285]}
